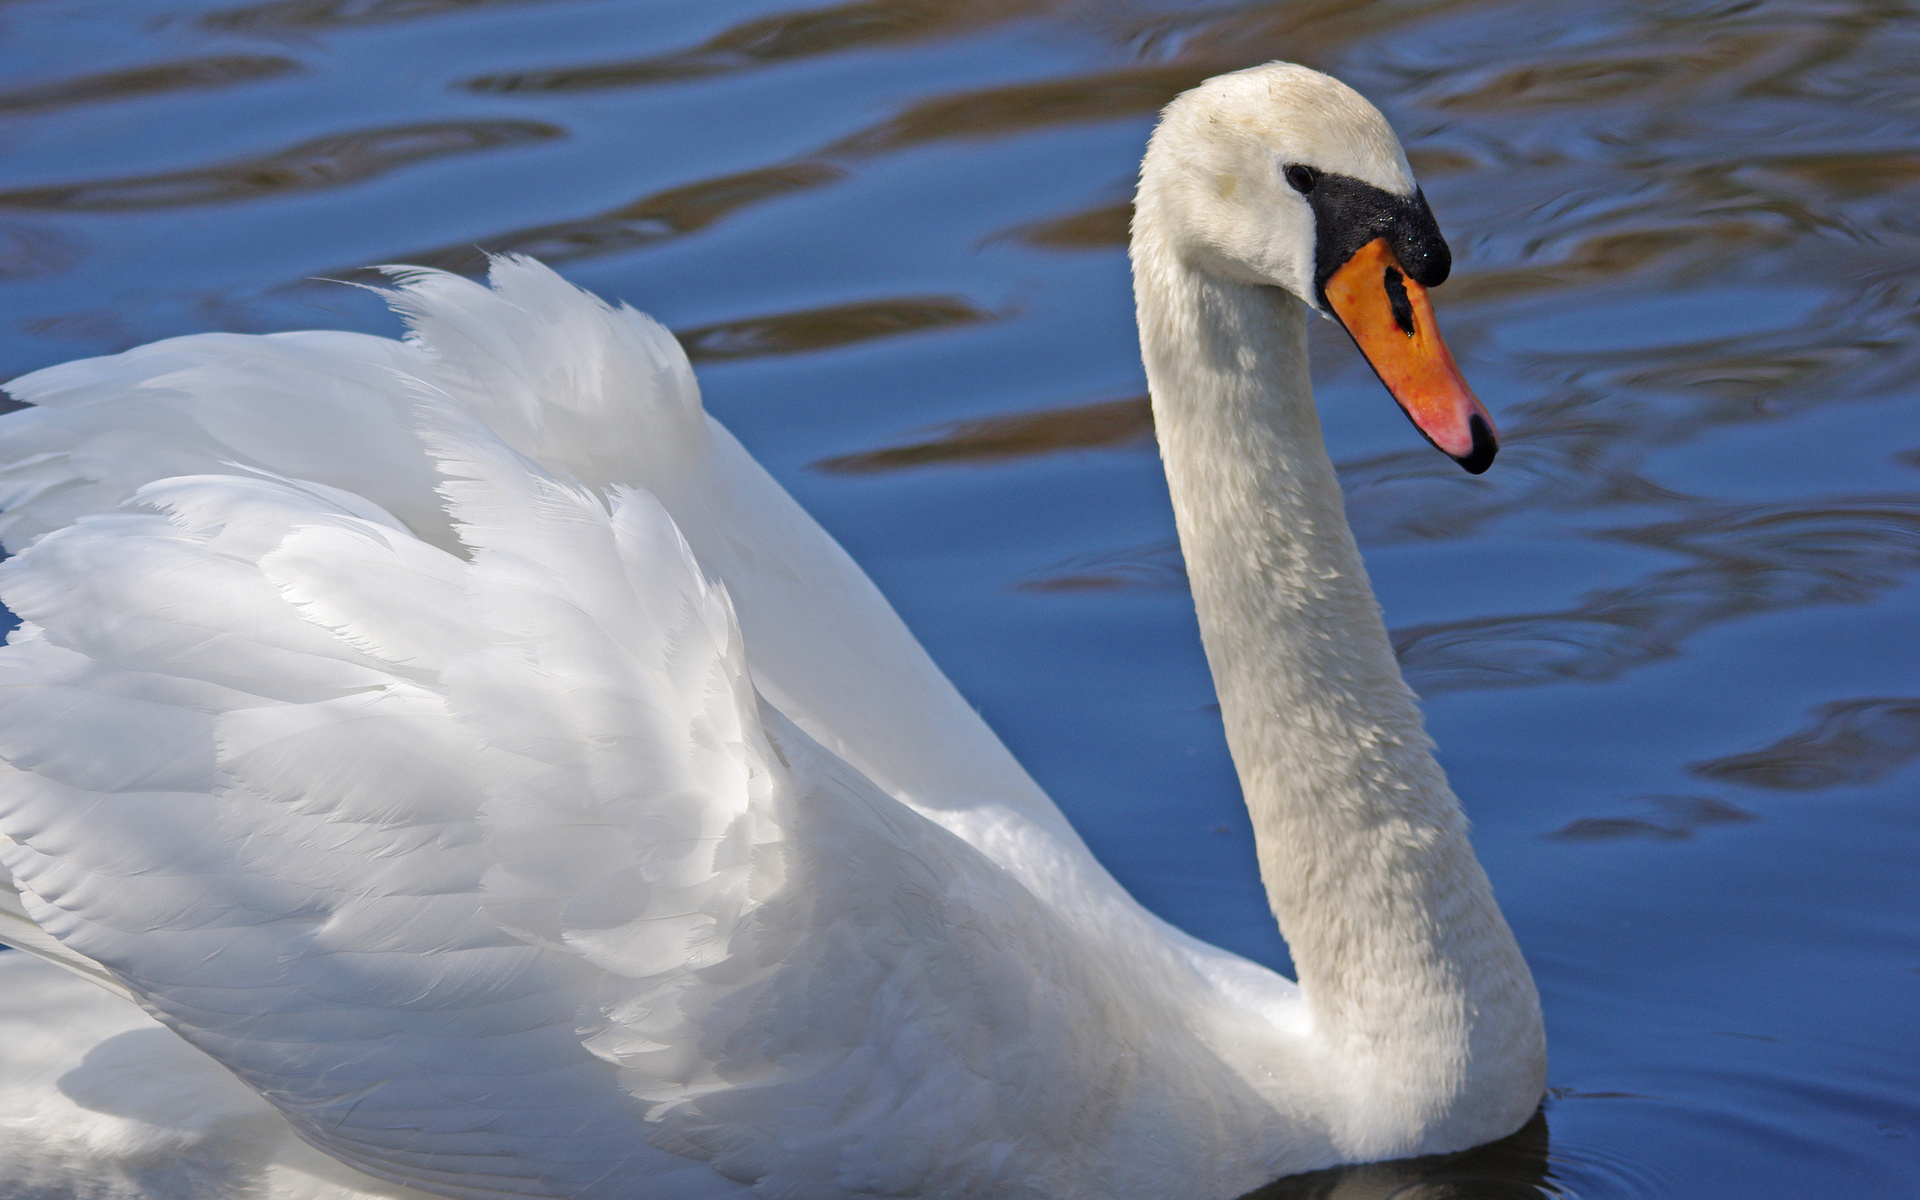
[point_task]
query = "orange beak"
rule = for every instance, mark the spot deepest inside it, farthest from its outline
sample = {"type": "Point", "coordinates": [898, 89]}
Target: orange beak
{"type": "Point", "coordinates": [1390, 318]}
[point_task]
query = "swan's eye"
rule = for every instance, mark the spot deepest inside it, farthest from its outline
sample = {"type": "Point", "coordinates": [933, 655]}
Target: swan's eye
{"type": "Point", "coordinates": [1302, 178]}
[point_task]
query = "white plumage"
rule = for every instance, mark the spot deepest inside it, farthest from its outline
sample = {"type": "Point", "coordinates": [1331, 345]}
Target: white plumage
{"type": "Point", "coordinates": [462, 744]}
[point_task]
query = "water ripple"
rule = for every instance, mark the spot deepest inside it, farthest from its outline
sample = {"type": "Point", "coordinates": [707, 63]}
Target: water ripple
{"type": "Point", "coordinates": [781, 37]}
{"type": "Point", "coordinates": [999, 439]}
{"type": "Point", "coordinates": [1754, 559]}
{"type": "Point", "coordinates": [827, 326]}
{"type": "Point", "coordinates": [990, 112]}
{"type": "Point", "coordinates": [661, 216]}
{"type": "Point", "coordinates": [997, 112]}
{"type": "Point", "coordinates": [322, 163]}
{"type": "Point", "coordinates": [1517, 1167]}
{"type": "Point", "coordinates": [310, 16]}
{"type": "Point", "coordinates": [1104, 228]}
{"type": "Point", "coordinates": [30, 252]}
{"type": "Point", "coordinates": [1600, 1173]}
{"type": "Point", "coordinates": [1849, 742]}
{"type": "Point", "coordinates": [1666, 819]}
{"type": "Point", "coordinates": [193, 74]}
{"type": "Point", "coordinates": [1155, 566]}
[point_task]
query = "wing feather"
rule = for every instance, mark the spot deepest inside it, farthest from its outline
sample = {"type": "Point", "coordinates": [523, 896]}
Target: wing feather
{"type": "Point", "coordinates": [435, 798]}
{"type": "Point", "coordinates": [283, 853]}
{"type": "Point", "coordinates": [321, 406]}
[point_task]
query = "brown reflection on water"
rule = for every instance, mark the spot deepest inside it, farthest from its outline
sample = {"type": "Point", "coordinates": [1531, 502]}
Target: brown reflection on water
{"type": "Point", "coordinates": [1662, 52]}
{"type": "Point", "coordinates": [1126, 422]}
{"type": "Point", "coordinates": [1847, 174]}
{"type": "Point", "coordinates": [1850, 742]}
{"type": "Point", "coordinates": [1603, 257]}
{"type": "Point", "coordinates": [1666, 819]}
{"type": "Point", "coordinates": [820, 328]}
{"type": "Point", "coordinates": [1090, 229]}
{"type": "Point", "coordinates": [1621, 74]}
{"type": "Point", "coordinates": [1312, 32]}
{"type": "Point", "coordinates": [659, 217]}
{"type": "Point", "coordinates": [1154, 566]}
{"type": "Point", "coordinates": [191, 74]}
{"type": "Point", "coordinates": [322, 163]}
{"type": "Point", "coordinates": [996, 112]}
{"type": "Point", "coordinates": [312, 16]}
{"type": "Point", "coordinates": [778, 38]}
{"type": "Point", "coordinates": [1706, 216]}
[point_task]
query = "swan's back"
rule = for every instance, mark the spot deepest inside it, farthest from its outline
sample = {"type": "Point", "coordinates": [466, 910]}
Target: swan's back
{"type": "Point", "coordinates": [470, 748]}
{"type": "Point", "coordinates": [598, 395]}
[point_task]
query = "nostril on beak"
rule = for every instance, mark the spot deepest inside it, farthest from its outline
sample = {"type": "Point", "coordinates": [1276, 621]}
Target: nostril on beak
{"type": "Point", "coordinates": [1402, 307]}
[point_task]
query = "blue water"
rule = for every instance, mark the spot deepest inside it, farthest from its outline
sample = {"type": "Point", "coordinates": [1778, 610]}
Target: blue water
{"type": "Point", "coordinates": [1667, 644]}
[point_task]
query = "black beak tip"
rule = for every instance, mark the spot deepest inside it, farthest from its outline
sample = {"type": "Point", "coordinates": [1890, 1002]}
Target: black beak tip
{"type": "Point", "coordinates": [1485, 446]}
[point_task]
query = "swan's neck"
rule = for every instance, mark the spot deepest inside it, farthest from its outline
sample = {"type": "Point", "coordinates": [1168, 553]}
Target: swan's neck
{"type": "Point", "coordinates": [1423, 1010]}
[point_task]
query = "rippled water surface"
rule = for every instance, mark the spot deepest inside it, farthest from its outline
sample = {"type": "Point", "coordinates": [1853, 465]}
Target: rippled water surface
{"type": "Point", "coordinates": [1668, 644]}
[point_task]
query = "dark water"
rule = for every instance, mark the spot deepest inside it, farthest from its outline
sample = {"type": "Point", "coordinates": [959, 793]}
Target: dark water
{"type": "Point", "coordinates": [1669, 643]}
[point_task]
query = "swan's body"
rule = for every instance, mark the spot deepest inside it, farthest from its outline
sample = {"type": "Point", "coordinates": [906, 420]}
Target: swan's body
{"type": "Point", "coordinates": [590, 826]}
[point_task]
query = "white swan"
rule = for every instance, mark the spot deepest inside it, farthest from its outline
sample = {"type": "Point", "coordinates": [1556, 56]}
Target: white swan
{"type": "Point", "coordinates": [466, 746]}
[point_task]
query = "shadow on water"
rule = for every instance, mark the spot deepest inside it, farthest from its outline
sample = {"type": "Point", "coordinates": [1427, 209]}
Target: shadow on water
{"type": "Point", "coordinates": [1514, 1168]}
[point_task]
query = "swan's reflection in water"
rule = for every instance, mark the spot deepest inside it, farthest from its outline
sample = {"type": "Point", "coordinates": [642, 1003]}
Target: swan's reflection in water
{"type": "Point", "coordinates": [1513, 1168]}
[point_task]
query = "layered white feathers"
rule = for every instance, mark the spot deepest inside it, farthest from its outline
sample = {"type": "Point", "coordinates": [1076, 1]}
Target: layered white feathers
{"type": "Point", "coordinates": [432, 796]}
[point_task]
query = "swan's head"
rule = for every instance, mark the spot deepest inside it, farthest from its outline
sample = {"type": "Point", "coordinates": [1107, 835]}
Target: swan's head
{"type": "Point", "coordinates": [1280, 176]}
